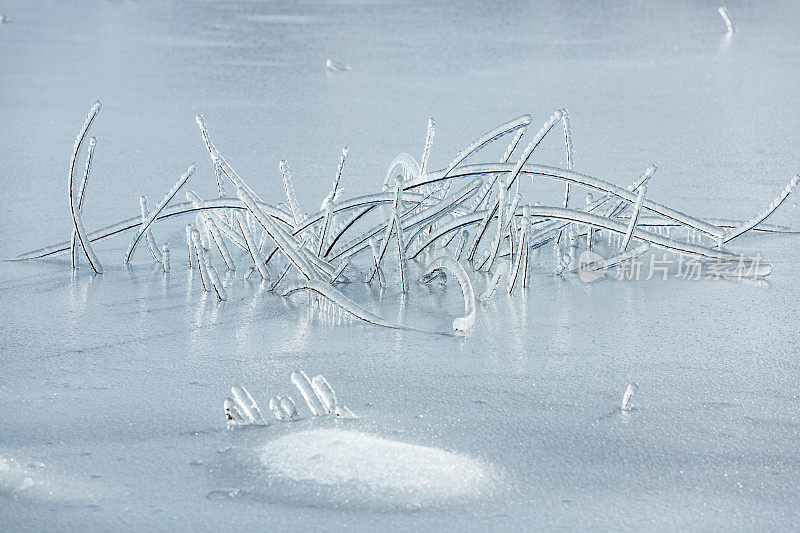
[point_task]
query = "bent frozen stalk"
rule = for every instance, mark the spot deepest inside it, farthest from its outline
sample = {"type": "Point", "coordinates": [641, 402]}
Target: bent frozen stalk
{"type": "Point", "coordinates": [81, 193]}
{"type": "Point", "coordinates": [324, 392]}
{"type": "Point", "coordinates": [303, 384]}
{"type": "Point", "coordinates": [77, 220]}
{"type": "Point", "coordinates": [448, 263]}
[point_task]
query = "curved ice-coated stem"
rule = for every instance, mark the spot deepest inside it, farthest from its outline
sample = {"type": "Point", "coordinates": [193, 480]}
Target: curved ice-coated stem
{"type": "Point", "coordinates": [560, 174]}
{"type": "Point", "coordinates": [151, 242]}
{"type": "Point", "coordinates": [448, 263]}
{"type": "Point", "coordinates": [255, 255]}
{"type": "Point", "coordinates": [161, 205]}
{"type": "Point", "coordinates": [611, 262]}
{"type": "Point", "coordinates": [77, 220]}
{"type": "Point", "coordinates": [81, 192]}
{"type": "Point", "coordinates": [762, 216]}
{"type": "Point", "coordinates": [571, 215]}
{"type": "Point", "coordinates": [486, 138]}
{"type": "Point", "coordinates": [404, 161]}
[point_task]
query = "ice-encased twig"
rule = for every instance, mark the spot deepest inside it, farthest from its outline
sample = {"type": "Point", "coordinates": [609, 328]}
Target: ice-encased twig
{"type": "Point", "coordinates": [248, 405]}
{"type": "Point", "coordinates": [258, 260]}
{"type": "Point", "coordinates": [151, 242]}
{"type": "Point", "coordinates": [726, 16]}
{"type": "Point", "coordinates": [426, 152]}
{"type": "Point", "coordinates": [401, 257]}
{"type": "Point", "coordinates": [568, 146]}
{"type": "Point", "coordinates": [288, 188]}
{"type": "Point", "coordinates": [337, 298]}
{"type": "Point", "coordinates": [325, 393]}
{"type": "Point", "coordinates": [373, 244]}
{"type": "Point", "coordinates": [214, 231]}
{"type": "Point", "coordinates": [199, 257]}
{"type": "Point", "coordinates": [189, 245]}
{"type": "Point", "coordinates": [446, 262]}
{"type": "Point", "coordinates": [522, 253]}
{"type": "Point", "coordinates": [288, 407]}
{"type": "Point", "coordinates": [486, 138]}
{"type": "Point", "coordinates": [303, 384]}
{"type": "Point", "coordinates": [165, 256]}
{"type": "Point", "coordinates": [637, 207]}
{"type": "Point", "coordinates": [763, 215]}
{"type": "Point", "coordinates": [81, 192]}
{"type": "Point", "coordinates": [161, 205]}
{"type": "Point", "coordinates": [216, 283]}
{"type": "Point", "coordinates": [77, 220]}
{"type": "Point", "coordinates": [276, 233]}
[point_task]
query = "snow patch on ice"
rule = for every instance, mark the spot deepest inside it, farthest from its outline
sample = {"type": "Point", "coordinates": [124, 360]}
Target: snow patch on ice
{"type": "Point", "coordinates": [352, 468]}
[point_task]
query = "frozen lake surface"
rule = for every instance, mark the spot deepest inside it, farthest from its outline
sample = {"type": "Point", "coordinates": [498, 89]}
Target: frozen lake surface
{"type": "Point", "coordinates": [111, 386]}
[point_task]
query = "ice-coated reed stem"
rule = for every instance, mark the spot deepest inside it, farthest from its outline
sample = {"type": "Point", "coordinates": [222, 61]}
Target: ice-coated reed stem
{"type": "Point", "coordinates": [151, 242]}
{"type": "Point", "coordinates": [216, 283]}
{"type": "Point", "coordinates": [199, 257]}
{"type": "Point", "coordinates": [81, 193]}
{"type": "Point", "coordinates": [189, 245]}
{"type": "Point", "coordinates": [165, 256]}
{"type": "Point", "coordinates": [637, 207]}
{"type": "Point", "coordinates": [464, 235]}
{"type": "Point", "coordinates": [501, 271]}
{"type": "Point", "coordinates": [568, 147]}
{"type": "Point", "coordinates": [763, 215]}
{"type": "Point", "coordinates": [426, 152]}
{"type": "Point", "coordinates": [282, 240]}
{"type": "Point", "coordinates": [77, 220]}
{"type": "Point", "coordinates": [258, 261]}
{"type": "Point", "coordinates": [161, 205]}
{"type": "Point", "coordinates": [288, 188]}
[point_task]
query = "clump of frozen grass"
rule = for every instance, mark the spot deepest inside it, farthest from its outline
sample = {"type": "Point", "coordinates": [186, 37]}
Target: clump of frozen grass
{"type": "Point", "coordinates": [422, 215]}
{"type": "Point", "coordinates": [242, 409]}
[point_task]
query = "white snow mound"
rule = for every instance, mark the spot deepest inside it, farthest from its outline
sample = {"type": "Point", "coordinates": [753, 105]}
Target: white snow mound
{"type": "Point", "coordinates": [359, 468]}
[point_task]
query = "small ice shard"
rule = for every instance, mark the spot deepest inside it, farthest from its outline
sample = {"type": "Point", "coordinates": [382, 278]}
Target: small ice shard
{"type": "Point", "coordinates": [248, 405]}
{"type": "Point", "coordinates": [335, 66]}
{"type": "Point", "coordinates": [626, 398]}
{"type": "Point", "coordinates": [343, 412]}
{"type": "Point", "coordinates": [726, 16]}
{"type": "Point", "coordinates": [275, 407]}
{"type": "Point", "coordinates": [303, 384]}
{"type": "Point", "coordinates": [289, 408]}
{"type": "Point", "coordinates": [324, 392]}
{"type": "Point", "coordinates": [234, 415]}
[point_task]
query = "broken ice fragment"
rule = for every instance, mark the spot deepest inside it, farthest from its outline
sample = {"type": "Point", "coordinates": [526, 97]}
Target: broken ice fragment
{"type": "Point", "coordinates": [324, 392]}
{"type": "Point", "coordinates": [626, 398]}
